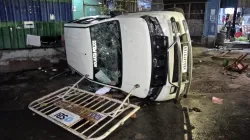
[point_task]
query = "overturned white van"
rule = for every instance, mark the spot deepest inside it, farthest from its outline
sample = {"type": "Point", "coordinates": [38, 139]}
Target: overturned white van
{"type": "Point", "coordinates": [152, 49]}
{"type": "Point", "coordinates": [148, 55]}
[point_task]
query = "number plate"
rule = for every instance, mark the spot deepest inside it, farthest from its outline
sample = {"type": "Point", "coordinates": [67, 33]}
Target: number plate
{"type": "Point", "coordinates": [66, 117]}
{"type": "Point", "coordinates": [185, 59]}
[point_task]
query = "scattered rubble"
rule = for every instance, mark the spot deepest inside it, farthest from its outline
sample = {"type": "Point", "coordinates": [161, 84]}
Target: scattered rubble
{"type": "Point", "coordinates": [232, 76]}
{"type": "Point", "coordinates": [194, 109]}
{"type": "Point", "coordinates": [234, 86]}
{"type": "Point", "coordinates": [64, 72]}
{"type": "Point", "coordinates": [103, 90]}
{"type": "Point", "coordinates": [225, 62]}
{"type": "Point", "coordinates": [139, 136]}
{"type": "Point", "coordinates": [217, 100]}
{"type": "Point", "coordinates": [238, 65]}
{"type": "Point", "coordinates": [117, 95]}
{"type": "Point", "coordinates": [248, 75]}
{"type": "Point", "coordinates": [133, 116]}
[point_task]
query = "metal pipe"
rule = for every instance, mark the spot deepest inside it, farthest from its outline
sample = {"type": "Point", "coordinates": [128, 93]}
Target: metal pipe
{"type": "Point", "coordinates": [136, 86]}
{"type": "Point", "coordinates": [179, 54]}
{"type": "Point", "coordinates": [234, 20]}
{"type": "Point", "coordinates": [73, 86]}
{"type": "Point", "coordinates": [190, 68]}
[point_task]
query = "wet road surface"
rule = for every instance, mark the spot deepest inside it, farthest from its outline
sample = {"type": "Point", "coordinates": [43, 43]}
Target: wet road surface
{"type": "Point", "coordinates": [155, 121]}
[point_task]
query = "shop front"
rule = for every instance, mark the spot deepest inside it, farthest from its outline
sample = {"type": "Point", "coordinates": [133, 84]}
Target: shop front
{"type": "Point", "coordinates": [233, 28]}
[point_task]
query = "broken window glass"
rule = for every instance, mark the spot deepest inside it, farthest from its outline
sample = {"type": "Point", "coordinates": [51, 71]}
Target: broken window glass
{"type": "Point", "coordinates": [107, 52]}
{"type": "Point", "coordinates": [153, 25]}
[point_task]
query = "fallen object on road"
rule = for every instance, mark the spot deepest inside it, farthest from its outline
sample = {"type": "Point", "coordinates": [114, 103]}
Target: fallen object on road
{"type": "Point", "coordinates": [225, 72]}
{"type": "Point", "coordinates": [217, 100]}
{"type": "Point", "coordinates": [248, 75]}
{"type": "Point", "coordinates": [238, 66]}
{"type": "Point", "coordinates": [225, 62]}
{"type": "Point", "coordinates": [85, 114]}
{"type": "Point", "coordinates": [195, 109]}
{"type": "Point", "coordinates": [103, 90]}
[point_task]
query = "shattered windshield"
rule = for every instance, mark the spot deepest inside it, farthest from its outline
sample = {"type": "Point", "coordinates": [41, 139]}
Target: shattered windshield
{"type": "Point", "coordinates": [107, 52]}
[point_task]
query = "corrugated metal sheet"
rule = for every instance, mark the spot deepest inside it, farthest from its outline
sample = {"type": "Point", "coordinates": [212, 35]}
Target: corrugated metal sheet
{"type": "Point", "coordinates": [35, 10]}
{"type": "Point", "coordinates": [48, 17]}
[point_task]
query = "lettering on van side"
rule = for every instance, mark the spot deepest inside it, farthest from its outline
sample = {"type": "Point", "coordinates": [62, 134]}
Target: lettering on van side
{"type": "Point", "coordinates": [94, 48]}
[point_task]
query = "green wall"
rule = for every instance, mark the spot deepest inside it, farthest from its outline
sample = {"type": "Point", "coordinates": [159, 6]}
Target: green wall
{"type": "Point", "coordinates": [13, 34]}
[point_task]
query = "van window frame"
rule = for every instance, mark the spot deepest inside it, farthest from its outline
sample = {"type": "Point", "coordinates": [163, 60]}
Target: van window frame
{"type": "Point", "coordinates": [119, 53]}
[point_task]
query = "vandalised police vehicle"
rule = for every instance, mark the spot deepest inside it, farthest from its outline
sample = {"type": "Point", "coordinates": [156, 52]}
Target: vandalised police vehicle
{"type": "Point", "coordinates": [152, 49]}
{"type": "Point", "coordinates": [147, 55]}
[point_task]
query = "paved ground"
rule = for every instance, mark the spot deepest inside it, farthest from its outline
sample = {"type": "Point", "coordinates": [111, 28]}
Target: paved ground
{"type": "Point", "coordinates": [155, 121]}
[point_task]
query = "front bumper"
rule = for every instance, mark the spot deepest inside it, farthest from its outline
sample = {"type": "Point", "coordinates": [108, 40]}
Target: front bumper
{"type": "Point", "coordinates": [180, 84]}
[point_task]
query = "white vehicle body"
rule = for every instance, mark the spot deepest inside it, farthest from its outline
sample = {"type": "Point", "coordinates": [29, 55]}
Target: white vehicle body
{"type": "Point", "coordinates": [161, 76]}
{"type": "Point", "coordinates": [148, 55]}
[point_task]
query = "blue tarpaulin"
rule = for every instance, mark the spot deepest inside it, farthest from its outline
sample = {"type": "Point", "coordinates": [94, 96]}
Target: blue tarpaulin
{"type": "Point", "coordinates": [34, 10]}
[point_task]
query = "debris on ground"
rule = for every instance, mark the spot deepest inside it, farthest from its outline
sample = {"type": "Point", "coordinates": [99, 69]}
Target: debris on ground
{"type": "Point", "coordinates": [221, 56]}
{"type": "Point", "coordinates": [93, 87]}
{"type": "Point", "coordinates": [248, 75]}
{"type": "Point", "coordinates": [52, 136]}
{"type": "Point", "coordinates": [238, 66]}
{"type": "Point", "coordinates": [133, 116]}
{"type": "Point", "coordinates": [234, 86]}
{"type": "Point", "coordinates": [139, 136]}
{"type": "Point", "coordinates": [195, 109]}
{"type": "Point", "coordinates": [198, 61]}
{"type": "Point", "coordinates": [54, 70]}
{"type": "Point", "coordinates": [64, 72]}
{"type": "Point", "coordinates": [117, 95]}
{"type": "Point", "coordinates": [225, 72]}
{"type": "Point", "coordinates": [103, 90]}
{"type": "Point", "coordinates": [225, 62]}
{"type": "Point", "coordinates": [106, 95]}
{"type": "Point", "coordinates": [217, 100]}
